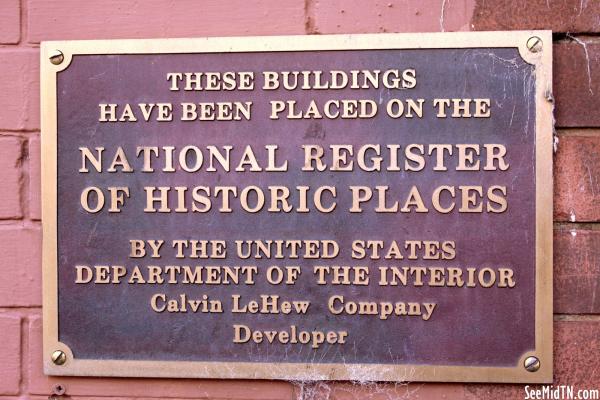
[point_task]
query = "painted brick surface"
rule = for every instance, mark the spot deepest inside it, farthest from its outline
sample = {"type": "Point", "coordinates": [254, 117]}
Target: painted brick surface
{"type": "Point", "coordinates": [339, 16]}
{"type": "Point", "coordinates": [119, 398]}
{"type": "Point", "coordinates": [576, 271]}
{"type": "Point", "coordinates": [557, 15]}
{"type": "Point", "coordinates": [577, 83]}
{"type": "Point", "coordinates": [19, 89]}
{"type": "Point", "coordinates": [10, 177]}
{"type": "Point", "coordinates": [20, 266]}
{"type": "Point", "coordinates": [75, 19]}
{"type": "Point", "coordinates": [10, 354]}
{"type": "Point", "coordinates": [10, 21]}
{"type": "Point", "coordinates": [35, 184]}
{"type": "Point", "coordinates": [577, 179]}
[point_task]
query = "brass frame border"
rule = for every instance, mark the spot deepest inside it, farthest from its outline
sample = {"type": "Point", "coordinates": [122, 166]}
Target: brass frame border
{"type": "Point", "coordinates": [305, 371]}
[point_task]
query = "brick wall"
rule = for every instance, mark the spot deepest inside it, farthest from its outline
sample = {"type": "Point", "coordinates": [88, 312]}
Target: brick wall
{"type": "Point", "coordinates": [24, 23]}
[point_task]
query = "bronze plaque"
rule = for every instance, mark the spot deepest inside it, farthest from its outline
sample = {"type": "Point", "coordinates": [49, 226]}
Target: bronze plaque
{"type": "Point", "coordinates": [363, 207]}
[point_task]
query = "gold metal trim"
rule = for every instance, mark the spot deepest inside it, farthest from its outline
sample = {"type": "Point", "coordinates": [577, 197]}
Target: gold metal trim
{"type": "Point", "coordinates": [304, 371]}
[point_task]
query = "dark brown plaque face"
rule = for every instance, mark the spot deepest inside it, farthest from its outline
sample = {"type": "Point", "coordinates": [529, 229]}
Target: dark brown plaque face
{"type": "Point", "coordinates": [366, 207]}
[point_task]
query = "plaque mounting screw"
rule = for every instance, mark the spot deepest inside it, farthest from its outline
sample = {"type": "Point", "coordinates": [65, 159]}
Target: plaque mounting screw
{"type": "Point", "coordinates": [56, 57]}
{"type": "Point", "coordinates": [534, 44]}
{"type": "Point", "coordinates": [532, 364]}
{"type": "Point", "coordinates": [59, 357]}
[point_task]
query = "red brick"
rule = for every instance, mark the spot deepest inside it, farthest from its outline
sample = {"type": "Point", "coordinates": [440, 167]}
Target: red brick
{"type": "Point", "coordinates": [557, 15]}
{"type": "Point", "coordinates": [75, 19]}
{"type": "Point", "coordinates": [35, 169]}
{"type": "Point", "coordinates": [10, 354]}
{"type": "Point", "coordinates": [19, 89]}
{"type": "Point", "coordinates": [41, 384]}
{"type": "Point", "coordinates": [494, 392]}
{"type": "Point", "coordinates": [10, 178]}
{"type": "Point", "coordinates": [10, 22]}
{"type": "Point", "coordinates": [339, 16]}
{"type": "Point", "coordinates": [577, 179]}
{"type": "Point", "coordinates": [576, 271]}
{"type": "Point", "coordinates": [379, 391]}
{"type": "Point", "coordinates": [20, 266]}
{"type": "Point", "coordinates": [577, 353]}
{"type": "Point", "coordinates": [577, 83]}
